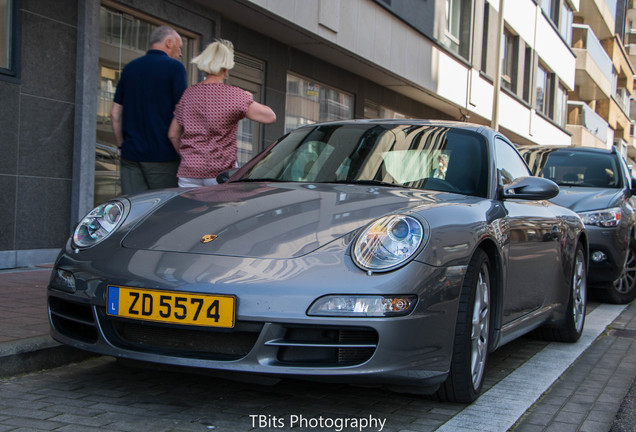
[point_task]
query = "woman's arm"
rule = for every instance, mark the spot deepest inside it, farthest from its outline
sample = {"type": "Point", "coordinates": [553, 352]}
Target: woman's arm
{"type": "Point", "coordinates": [261, 113]}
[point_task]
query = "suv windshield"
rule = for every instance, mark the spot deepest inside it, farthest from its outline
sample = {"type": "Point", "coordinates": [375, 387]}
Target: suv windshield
{"type": "Point", "coordinates": [572, 168]}
{"type": "Point", "coordinates": [414, 156]}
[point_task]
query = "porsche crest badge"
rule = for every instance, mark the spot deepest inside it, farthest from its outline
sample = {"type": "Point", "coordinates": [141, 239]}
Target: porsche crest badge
{"type": "Point", "coordinates": [208, 238]}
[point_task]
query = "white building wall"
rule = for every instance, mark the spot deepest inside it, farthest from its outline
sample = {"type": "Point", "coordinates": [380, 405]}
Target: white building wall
{"type": "Point", "coordinates": [416, 67]}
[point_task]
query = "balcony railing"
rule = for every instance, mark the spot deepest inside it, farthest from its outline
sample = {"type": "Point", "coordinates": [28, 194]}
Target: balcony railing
{"type": "Point", "coordinates": [621, 96]}
{"type": "Point", "coordinates": [583, 37]}
{"type": "Point", "coordinates": [611, 4]}
{"type": "Point", "coordinates": [587, 118]}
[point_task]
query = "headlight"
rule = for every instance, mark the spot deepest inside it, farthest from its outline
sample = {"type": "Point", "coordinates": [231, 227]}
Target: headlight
{"type": "Point", "coordinates": [97, 225]}
{"type": "Point", "coordinates": [602, 218]}
{"type": "Point", "coordinates": [362, 305]}
{"type": "Point", "coordinates": [388, 243]}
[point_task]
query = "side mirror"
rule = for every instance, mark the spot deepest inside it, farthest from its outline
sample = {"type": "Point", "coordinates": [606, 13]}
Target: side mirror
{"type": "Point", "coordinates": [225, 175]}
{"type": "Point", "coordinates": [531, 188]}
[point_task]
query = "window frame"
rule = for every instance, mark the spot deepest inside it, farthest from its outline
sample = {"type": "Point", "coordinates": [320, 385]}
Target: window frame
{"type": "Point", "coordinates": [12, 71]}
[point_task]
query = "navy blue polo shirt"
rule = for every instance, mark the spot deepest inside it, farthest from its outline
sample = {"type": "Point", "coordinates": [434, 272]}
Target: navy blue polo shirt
{"type": "Point", "coordinates": [149, 88]}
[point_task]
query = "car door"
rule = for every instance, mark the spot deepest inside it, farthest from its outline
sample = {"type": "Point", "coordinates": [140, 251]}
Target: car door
{"type": "Point", "coordinates": [533, 244]}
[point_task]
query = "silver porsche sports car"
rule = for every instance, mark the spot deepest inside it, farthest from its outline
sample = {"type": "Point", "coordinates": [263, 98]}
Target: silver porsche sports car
{"type": "Point", "coordinates": [398, 253]}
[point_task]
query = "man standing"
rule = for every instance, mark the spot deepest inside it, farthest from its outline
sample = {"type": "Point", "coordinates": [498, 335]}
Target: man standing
{"type": "Point", "coordinates": [147, 92]}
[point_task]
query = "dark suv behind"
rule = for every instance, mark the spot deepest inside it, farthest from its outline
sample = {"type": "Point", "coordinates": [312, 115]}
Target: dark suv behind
{"type": "Point", "coordinates": [596, 184]}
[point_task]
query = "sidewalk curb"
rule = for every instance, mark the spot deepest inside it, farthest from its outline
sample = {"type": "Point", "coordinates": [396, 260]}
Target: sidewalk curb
{"type": "Point", "coordinates": [36, 353]}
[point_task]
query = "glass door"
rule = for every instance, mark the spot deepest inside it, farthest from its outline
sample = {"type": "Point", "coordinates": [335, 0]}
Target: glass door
{"type": "Point", "coordinates": [248, 74]}
{"type": "Point", "coordinates": [123, 36]}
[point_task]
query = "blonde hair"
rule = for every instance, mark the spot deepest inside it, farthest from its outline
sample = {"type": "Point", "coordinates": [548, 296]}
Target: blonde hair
{"type": "Point", "coordinates": [215, 57]}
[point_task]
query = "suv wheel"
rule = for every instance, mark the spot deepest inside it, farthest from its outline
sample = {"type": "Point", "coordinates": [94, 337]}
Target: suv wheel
{"type": "Point", "coordinates": [623, 289]}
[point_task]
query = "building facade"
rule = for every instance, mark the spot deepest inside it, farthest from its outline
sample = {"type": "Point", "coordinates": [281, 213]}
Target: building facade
{"type": "Point", "coordinates": [599, 107]}
{"type": "Point", "coordinates": [310, 60]}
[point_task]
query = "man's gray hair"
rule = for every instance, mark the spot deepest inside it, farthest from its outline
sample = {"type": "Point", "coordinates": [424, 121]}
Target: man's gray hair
{"type": "Point", "coordinates": [160, 34]}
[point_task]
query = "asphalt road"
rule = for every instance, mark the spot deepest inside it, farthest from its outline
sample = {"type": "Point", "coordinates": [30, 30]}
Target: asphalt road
{"type": "Point", "coordinates": [626, 417]}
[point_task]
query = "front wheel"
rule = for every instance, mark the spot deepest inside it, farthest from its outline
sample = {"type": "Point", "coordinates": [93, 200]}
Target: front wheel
{"type": "Point", "coordinates": [472, 334]}
{"type": "Point", "coordinates": [572, 327]}
{"type": "Point", "coordinates": [623, 289]}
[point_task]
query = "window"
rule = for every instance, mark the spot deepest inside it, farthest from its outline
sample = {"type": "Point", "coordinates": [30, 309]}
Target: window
{"type": "Point", "coordinates": [484, 40]}
{"type": "Point", "coordinates": [8, 21]}
{"type": "Point", "coordinates": [561, 106]}
{"type": "Point", "coordinates": [249, 74]}
{"type": "Point", "coordinates": [527, 74]}
{"type": "Point", "coordinates": [122, 38]}
{"type": "Point", "coordinates": [509, 60]}
{"type": "Point", "coordinates": [375, 111]}
{"type": "Point", "coordinates": [551, 9]}
{"type": "Point", "coordinates": [509, 164]}
{"type": "Point", "coordinates": [561, 15]}
{"type": "Point", "coordinates": [458, 22]}
{"type": "Point", "coordinates": [310, 102]}
{"type": "Point", "coordinates": [544, 83]}
{"type": "Point", "coordinates": [565, 22]}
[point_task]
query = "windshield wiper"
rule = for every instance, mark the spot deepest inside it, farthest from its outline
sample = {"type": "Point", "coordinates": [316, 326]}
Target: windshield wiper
{"type": "Point", "coordinates": [366, 182]}
{"type": "Point", "coordinates": [261, 179]}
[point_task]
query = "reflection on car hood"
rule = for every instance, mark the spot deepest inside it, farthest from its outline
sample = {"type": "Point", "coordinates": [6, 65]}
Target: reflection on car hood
{"type": "Point", "coordinates": [273, 220]}
{"type": "Point", "coordinates": [581, 199]}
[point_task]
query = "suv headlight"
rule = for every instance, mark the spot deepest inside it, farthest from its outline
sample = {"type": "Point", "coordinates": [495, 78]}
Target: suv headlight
{"type": "Point", "coordinates": [99, 223]}
{"type": "Point", "coordinates": [602, 218]}
{"type": "Point", "coordinates": [388, 243]}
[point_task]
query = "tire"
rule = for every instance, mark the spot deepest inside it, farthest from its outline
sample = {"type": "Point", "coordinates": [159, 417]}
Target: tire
{"type": "Point", "coordinates": [472, 334]}
{"type": "Point", "coordinates": [572, 327]}
{"type": "Point", "coordinates": [623, 289]}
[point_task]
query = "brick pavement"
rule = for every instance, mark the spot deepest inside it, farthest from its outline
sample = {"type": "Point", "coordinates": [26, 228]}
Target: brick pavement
{"type": "Point", "coordinates": [587, 397]}
{"type": "Point", "coordinates": [23, 311]}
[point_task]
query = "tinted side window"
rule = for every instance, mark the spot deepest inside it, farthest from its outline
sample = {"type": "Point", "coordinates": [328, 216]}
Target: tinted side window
{"type": "Point", "coordinates": [509, 164]}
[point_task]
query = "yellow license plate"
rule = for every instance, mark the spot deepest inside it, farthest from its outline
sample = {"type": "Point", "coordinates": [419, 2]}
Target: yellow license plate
{"type": "Point", "coordinates": [171, 307]}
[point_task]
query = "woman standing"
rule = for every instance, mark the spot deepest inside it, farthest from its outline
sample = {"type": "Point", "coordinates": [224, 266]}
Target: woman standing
{"type": "Point", "coordinates": [206, 119]}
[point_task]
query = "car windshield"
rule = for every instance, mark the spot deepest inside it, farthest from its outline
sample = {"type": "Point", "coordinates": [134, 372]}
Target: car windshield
{"type": "Point", "coordinates": [581, 169]}
{"type": "Point", "coordinates": [414, 156]}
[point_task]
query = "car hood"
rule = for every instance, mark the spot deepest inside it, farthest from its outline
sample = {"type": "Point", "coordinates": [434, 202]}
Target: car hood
{"type": "Point", "coordinates": [581, 199]}
{"type": "Point", "coordinates": [268, 220]}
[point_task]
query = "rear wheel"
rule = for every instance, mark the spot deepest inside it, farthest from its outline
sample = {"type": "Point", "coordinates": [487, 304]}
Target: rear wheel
{"type": "Point", "coordinates": [623, 289]}
{"type": "Point", "coordinates": [472, 334]}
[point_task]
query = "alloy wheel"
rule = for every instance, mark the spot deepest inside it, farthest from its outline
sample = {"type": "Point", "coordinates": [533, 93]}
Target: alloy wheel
{"type": "Point", "coordinates": [625, 283]}
{"type": "Point", "coordinates": [579, 285]}
{"type": "Point", "coordinates": [480, 326]}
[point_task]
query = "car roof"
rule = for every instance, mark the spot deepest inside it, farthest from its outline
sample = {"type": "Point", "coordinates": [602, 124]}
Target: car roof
{"type": "Point", "coordinates": [556, 148]}
{"type": "Point", "coordinates": [397, 122]}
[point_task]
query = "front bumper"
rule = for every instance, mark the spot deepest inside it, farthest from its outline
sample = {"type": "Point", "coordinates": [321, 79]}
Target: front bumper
{"type": "Point", "coordinates": [273, 334]}
{"type": "Point", "coordinates": [613, 243]}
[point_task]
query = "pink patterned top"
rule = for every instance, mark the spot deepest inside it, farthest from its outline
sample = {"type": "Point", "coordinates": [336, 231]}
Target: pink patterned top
{"type": "Point", "coordinates": [209, 114]}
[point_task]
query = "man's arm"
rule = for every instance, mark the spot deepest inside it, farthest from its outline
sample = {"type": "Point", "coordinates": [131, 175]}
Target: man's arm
{"type": "Point", "coordinates": [116, 122]}
{"type": "Point", "coordinates": [174, 134]}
